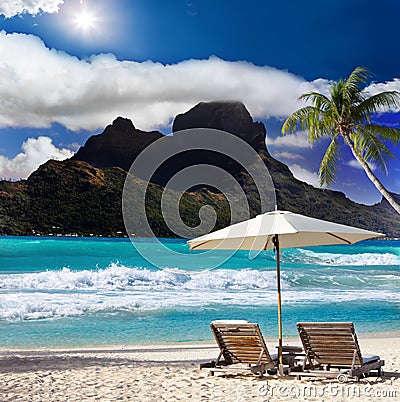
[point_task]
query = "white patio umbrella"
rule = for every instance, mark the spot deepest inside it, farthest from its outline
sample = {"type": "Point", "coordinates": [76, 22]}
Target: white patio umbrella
{"type": "Point", "coordinates": [277, 230]}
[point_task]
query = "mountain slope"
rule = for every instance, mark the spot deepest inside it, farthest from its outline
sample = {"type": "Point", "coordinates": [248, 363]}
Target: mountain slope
{"type": "Point", "coordinates": [83, 195]}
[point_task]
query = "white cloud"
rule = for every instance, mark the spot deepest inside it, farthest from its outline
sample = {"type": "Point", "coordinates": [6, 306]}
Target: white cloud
{"type": "Point", "coordinates": [354, 164]}
{"type": "Point", "coordinates": [297, 140]}
{"type": "Point", "coordinates": [35, 151]}
{"type": "Point", "coordinates": [11, 8]}
{"type": "Point", "coordinates": [39, 86]}
{"type": "Point", "coordinates": [305, 175]}
{"type": "Point", "coordinates": [375, 88]}
{"type": "Point", "coordinates": [287, 155]}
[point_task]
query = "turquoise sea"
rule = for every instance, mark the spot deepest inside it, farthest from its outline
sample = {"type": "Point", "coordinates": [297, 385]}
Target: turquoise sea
{"type": "Point", "coordinates": [66, 292]}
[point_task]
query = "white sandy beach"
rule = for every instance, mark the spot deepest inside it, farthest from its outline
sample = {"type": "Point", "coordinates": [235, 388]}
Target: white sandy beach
{"type": "Point", "coordinates": [171, 373]}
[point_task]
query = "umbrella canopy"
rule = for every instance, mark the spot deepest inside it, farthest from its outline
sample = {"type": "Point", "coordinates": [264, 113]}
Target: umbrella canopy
{"type": "Point", "coordinates": [276, 230]}
{"type": "Point", "coordinates": [294, 230]}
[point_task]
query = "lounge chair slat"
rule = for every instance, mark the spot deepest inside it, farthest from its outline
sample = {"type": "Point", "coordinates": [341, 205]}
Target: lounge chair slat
{"type": "Point", "coordinates": [326, 324]}
{"type": "Point", "coordinates": [242, 354]}
{"type": "Point", "coordinates": [332, 348]}
{"type": "Point", "coordinates": [241, 343]}
{"type": "Point", "coordinates": [335, 345]}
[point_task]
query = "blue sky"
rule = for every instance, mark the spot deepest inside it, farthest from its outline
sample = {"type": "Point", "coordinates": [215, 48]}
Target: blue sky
{"type": "Point", "coordinates": [68, 68]}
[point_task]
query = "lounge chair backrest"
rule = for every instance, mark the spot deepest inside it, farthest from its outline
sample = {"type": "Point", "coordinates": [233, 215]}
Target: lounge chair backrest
{"type": "Point", "coordinates": [330, 343]}
{"type": "Point", "coordinates": [241, 342]}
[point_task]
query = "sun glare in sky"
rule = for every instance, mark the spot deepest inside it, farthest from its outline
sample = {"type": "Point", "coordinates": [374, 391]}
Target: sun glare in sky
{"type": "Point", "coordinates": [92, 26]}
{"type": "Point", "coordinates": [85, 20]}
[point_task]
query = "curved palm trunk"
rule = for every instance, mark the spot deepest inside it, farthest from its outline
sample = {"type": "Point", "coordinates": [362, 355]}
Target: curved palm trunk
{"type": "Point", "coordinates": [372, 177]}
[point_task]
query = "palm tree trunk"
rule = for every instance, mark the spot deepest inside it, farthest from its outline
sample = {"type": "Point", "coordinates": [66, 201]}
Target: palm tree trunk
{"type": "Point", "coordinates": [372, 177]}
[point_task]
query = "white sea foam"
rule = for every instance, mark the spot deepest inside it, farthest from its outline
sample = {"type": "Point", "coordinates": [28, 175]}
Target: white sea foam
{"type": "Point", "coordinates": [64, 293]}
{"type": "Point", "coordinates": [117, 277]}
{"type": "Point", "coordinates": [45, 305]}
{"type": "Point", "coordinates": [121, 278]}
{"type": "Point", "coordinates": [362, 259]}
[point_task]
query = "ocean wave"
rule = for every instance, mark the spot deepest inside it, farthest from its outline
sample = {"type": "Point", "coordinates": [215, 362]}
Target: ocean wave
{"type": "Point", "coordinates": [117, 278]}
{"type": "Point", "coordinates": [33, 306]}
{"type": "Point", "coordinates": [331, 259]}
{"type": "Point", "coordinates": [116, 289]}
{"type": "Point", "coordinates": [38, 306]}
{"type": "Point", "coordinates": [121, 278]}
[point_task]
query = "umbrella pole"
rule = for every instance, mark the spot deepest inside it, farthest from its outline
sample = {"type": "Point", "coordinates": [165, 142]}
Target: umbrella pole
{"type": "Point", "coordinates": [278, 285]}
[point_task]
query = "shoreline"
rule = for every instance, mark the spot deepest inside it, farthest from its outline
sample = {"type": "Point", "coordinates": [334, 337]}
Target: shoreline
{"type": "Point", "coordinates": [292, 340]}
{"type": "Point", "coordinates": [126, 237]}
{"type": "Point", "coordinates": [364, 337]}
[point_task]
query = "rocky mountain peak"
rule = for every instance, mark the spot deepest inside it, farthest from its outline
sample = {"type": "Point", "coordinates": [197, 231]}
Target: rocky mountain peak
{"type": "Point", "coordinates": [122, 124]}
{"type": "Point", "coordinates": [232, 117]}
{"type": "Point", "coordinates": [118, 145]}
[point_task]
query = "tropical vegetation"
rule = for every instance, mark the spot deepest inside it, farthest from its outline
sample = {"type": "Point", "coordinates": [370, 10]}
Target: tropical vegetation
{"type": "Point", "coordinates": [345, 116]}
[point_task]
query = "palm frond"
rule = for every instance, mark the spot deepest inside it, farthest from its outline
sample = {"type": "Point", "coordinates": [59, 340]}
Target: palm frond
{"type": "Point", "coordinates": [343, 100]}
{"type": "Point", "coordinates": [352, 84]}
{"type": "Point", "coordinates": [346, 113]}
{"type": "Point", "coordinates": [300, 117]}
{"type": "Point", "coordinates": [328, 167]}
{"type": "Point", "coordinates": [386, 133]}
{"type": "Point", "coordinates": [370, 148]}
{"type": "Point", "coordinates": [377, 102]}
{"type": "Point", "coordinates": [328, 109]}
{"type": "Point", "coordinates": [317, 99]}
{"type": "Point", "coordinates": [350, 91]}
{"type": "Point", "coordinates": [358, 76]}
{"type": "Point", "coordinates": [310, 119]}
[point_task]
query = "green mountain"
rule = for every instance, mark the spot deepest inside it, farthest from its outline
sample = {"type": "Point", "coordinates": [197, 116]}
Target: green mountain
{"type": "Point", "coordinates": [83, 195]}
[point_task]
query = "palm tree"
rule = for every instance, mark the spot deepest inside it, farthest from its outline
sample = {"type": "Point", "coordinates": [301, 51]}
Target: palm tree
{"type": "Point", "coordinates": [345, 115]}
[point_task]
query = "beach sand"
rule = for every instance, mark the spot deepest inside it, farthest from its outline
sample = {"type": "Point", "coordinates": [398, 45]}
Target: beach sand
{"type": "Point", "coordinates": [171, 373]}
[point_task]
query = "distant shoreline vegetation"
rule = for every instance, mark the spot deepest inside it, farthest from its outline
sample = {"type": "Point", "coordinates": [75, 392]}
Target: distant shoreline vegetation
{"type": "Point", "coordinates": [126, 237]}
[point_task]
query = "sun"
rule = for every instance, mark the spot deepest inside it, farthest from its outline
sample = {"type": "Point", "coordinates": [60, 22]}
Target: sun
{"type": "Point", "coordinates": [89, 21]}
{"type": "Point", "coordinates": [86, 20]}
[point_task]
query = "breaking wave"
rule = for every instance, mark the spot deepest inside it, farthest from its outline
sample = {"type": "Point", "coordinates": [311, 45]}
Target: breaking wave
{"type": "Point", "coordinates": [331, 259]}
{"type": "Point", "coordinates": [64, 293]}
{"type": "Point", "coordinates": [121, 278]}
{"type": "Point", "coordinates": [117, 278]}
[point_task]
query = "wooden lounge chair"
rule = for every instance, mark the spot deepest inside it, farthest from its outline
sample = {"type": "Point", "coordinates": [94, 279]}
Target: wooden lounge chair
{"type": "Point", "coordinates": [334, 345]}
{"type": "Point", "coordinates": [241, 343]}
